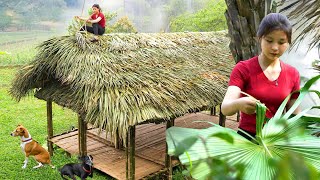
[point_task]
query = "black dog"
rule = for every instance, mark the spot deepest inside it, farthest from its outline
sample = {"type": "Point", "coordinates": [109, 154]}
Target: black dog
{"type": "Point", "coordinates": [83, 170]}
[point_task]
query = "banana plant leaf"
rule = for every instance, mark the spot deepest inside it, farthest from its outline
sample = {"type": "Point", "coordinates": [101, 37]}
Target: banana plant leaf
{"type": "Point", "coordinates": [283, 134]}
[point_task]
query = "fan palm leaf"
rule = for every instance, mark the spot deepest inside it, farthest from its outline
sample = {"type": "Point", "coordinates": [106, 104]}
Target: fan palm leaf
{"type": "Point", "coordinates": [279, 136]}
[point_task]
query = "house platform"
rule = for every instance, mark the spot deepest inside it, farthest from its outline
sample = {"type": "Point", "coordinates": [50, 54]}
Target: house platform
{"type": "Point", "coordinates": [150, 146]}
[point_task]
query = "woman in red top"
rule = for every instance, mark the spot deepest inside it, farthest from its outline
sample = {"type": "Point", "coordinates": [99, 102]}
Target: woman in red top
{"type": "Point", "coordinates": [98, 22]}
{"type": "Point", "coordinates": [265, 77]}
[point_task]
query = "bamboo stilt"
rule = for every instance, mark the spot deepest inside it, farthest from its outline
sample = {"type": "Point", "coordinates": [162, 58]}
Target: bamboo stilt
{"type": "Point", "coordinates": [49, 127]}
{"type": "Point", "coordinates": [168, 158]}
{"type": "Point", "coordinates": [132, 131]}
{"type": "Point", "coordinates": [82, 136]}
{"type": "Point", "coordinates": [127, 155]}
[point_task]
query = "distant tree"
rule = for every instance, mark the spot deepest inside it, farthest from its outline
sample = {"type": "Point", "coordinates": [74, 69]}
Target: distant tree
{"type": "Point", "coordinates": [175, 8]}
{"type": "Point", "coordinates": [210, 18]}
{"type": "Point", "coordinates": [123, 25]}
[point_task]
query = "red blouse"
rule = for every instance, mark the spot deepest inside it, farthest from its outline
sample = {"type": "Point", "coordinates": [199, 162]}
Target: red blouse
{"type": "Point", "coordinates": [249, 77]}
{"type": "Point", "coordinates": [102, 22]}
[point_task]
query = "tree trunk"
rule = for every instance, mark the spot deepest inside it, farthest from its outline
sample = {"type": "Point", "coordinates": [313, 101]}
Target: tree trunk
{"type": "Point", "coordinates": [243, 18]}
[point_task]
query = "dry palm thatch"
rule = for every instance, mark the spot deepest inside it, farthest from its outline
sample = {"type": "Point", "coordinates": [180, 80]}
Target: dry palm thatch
{"type": "Point", "coordinates": [307, 16]}
{"type": "Point", "coordinates": [127, 79]}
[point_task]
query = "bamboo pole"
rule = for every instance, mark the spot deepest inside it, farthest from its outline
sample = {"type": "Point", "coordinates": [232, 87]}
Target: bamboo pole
{"type": "Point", "coordinates": [118, 142]}
{"type": "Point", "coordinates": [132, 131]}
{"type": "Point", "coordinates": [213, 111]}
{"type": "Point", "coordinates": [82, 136]}
{"type": "Point", "coordinates": [168, 158]}
{"type": "Point", "coordinates": [49, 127]}
{"type": "Point", "coordinates": [127, 155]}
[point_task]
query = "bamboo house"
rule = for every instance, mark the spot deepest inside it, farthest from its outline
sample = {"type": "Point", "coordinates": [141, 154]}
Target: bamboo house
{"type": "Point", "coordinates": [126, 80]}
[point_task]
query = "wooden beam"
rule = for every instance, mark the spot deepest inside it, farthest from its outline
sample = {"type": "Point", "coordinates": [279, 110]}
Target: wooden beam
{"type": "Point", "coordinates": [49, 127]}
{"type": "Point", "coordinates": [132, 138]}
{"type": "Point", "coordinates": [168, 158]}
{"type": "Point", "coordinates": [82, 136]}
{"type": "Point", "coordinates": [222, 118]}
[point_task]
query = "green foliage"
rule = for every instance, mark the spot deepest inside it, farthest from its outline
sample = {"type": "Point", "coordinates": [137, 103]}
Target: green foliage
{"type": "Point", "coordinates": [282, 142]}
{"type": "Point", "coordinates": [210, 18]}
{"type": "Point", "coordinates": [123, 25]}
{"type": "Point", "coordinates": [175, 8]}
{"type": "Point", "coordinates": [294, 165]}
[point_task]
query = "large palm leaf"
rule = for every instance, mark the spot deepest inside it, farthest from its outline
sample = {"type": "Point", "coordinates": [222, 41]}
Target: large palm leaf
{"type": "Point", "coordinates": [306, 14]}
{"type": "Point", "coordinates": [280, 135]}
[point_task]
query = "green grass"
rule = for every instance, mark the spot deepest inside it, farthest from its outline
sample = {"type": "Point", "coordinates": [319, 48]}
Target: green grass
{"type": "Point", "coordinates": [31, 113]}
{"type": "Point", "coordinates": [21, 46]}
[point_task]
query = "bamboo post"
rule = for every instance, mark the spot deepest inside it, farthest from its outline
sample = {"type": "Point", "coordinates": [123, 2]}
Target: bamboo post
{"type": "Point", "coordinates": [222, 118]}
{"type": "Point", "coordinates": [132, 132]}
{"type": "Point", "coordinates": [213, 111]}
{"type": "Point", "coordinates": [49, 127]}
{"type": "Point", "coordinates": [127, 155]}
{"type": "Point", "coordinates": [168, 158]}
{"type": "Point", "coordinates": [82, 136]}
{"type": "Point", "coordinates": [118, 142]}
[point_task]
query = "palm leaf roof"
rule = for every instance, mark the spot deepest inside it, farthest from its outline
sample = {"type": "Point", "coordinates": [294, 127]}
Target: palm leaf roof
{"type": "Point", "coordinates": [306, 14]}
{"type": "Point", "coordinates": [128, 79]}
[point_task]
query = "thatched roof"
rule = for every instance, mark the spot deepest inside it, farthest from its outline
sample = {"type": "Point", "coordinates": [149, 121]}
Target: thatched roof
{"type": "Point", "coordinates": [127, 79]}
{"type": "Point", "coordinates": [306, 16]}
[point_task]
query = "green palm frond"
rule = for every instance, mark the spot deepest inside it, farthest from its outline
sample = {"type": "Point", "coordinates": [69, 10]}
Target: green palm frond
{"type": "Point", "coordinates": [284, 133]}
{"type": "Point", "coordinates": [306, 14]}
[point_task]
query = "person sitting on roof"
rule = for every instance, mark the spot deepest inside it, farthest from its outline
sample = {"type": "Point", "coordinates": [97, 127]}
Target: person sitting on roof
{"type": "Point", "coordinates": [98, 22]}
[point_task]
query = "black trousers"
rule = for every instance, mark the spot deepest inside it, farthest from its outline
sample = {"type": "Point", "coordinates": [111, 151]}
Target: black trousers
{"type": "Point", "coordinates": [95, 29]}
{"type": "Point", "coordinates": [246, 136]}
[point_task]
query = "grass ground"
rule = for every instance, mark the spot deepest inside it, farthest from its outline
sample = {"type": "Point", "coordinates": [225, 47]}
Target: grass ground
{"type": "Point", "coordinates": [20, 47]}
{"type": "Point", "coordinates": [30, 112]}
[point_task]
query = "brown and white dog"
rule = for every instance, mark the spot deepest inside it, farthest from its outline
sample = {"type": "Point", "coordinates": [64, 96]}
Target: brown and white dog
{"type": "Point", "coordinates": [31, 148]}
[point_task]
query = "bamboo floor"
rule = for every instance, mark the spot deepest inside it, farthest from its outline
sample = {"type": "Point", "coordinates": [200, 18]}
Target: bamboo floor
{"type": "Point", "coordinates": [150, 146]}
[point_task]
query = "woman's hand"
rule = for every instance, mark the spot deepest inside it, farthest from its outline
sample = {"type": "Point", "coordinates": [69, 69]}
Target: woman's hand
{"type": "Point", "coordinates": [233, 102]}
{"type": "Point", "coordinates": [247, 105]}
